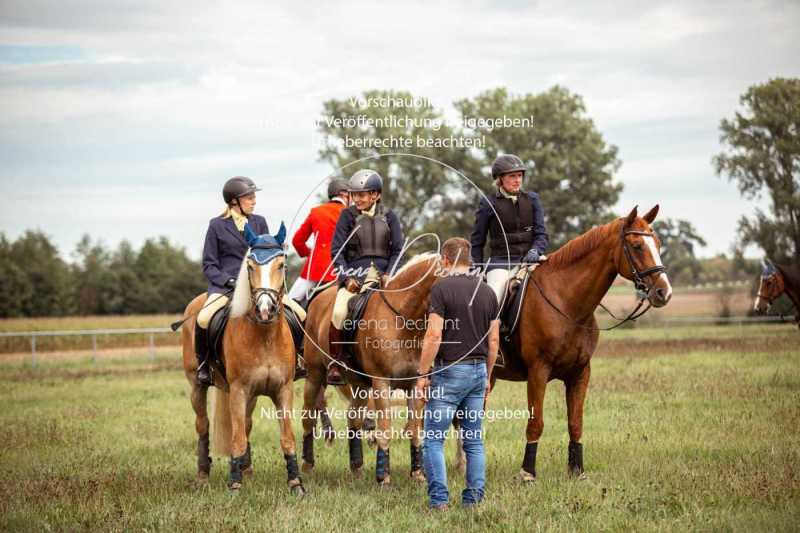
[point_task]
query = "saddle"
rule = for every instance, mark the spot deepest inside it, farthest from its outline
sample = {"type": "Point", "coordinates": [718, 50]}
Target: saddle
{"type": "Point", "coordinates": [216, 332]}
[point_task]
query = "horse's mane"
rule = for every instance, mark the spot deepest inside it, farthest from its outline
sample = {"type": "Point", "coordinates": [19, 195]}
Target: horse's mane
{"type": "Point", "coordinates": [791, 275]}
{"type": "Point", "coordinates": [582, 245]}
{"type": "Point", "coordinates": [410, 269]}
{"type": "Point", "coordinates": [240, 302]}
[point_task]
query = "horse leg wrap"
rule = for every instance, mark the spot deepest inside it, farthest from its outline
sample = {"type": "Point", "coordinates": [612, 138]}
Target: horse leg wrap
{"type": "Point", "coordinates": [203, 457]}
{"type": "Point", "coordinates": [308, 448]}
{"type": "Point", "coordinates": [237, 465]}
{"type": "Point", "coordinates": [529, 461]}
{"type": "Point", "coordinates": [292, 471]}
{"type": "Point", "coordinates": [327, 425]}
{"type": "Point", "coordinates": [356, 452]}
{"type": "Point", "coordinates": [416, 458]}
{"type": "Point", "coordinates": [382, 464]}
{"type": "Point", "coordinates": [575, 457]}
{"type": "Point", "coordinates": [247, 459]}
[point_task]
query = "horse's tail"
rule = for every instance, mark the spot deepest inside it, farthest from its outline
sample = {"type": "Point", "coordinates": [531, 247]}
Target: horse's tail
{"type": "Point", "coordinates": [222, 432]}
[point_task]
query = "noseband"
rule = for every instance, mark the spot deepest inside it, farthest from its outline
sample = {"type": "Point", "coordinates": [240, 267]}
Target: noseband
{"type": "Point", "coordinates": [639, 275]}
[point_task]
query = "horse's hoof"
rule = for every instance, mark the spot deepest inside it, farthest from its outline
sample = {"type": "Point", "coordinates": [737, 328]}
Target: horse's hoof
{"type": "Point", "coordinates": [297, 489]}
{"type": "Point", "coordinates": [418, 475]}
{"type": "Point", "coordinates": [307, 467]}
{"type": "Point", "coordinates": [385, 483]}
{"type": "Point", "coordinates": [357, 472]}
{"type": "Point", "coordinates": [328, 435]}
{"type": "Point", "coordinates": [526, 476]}
{"type": "Point", "coordinates": [372, 441]}
{"type": "Point", "coordinates": [248, 472]}
{"type": "Point", "coordinates": [577, 475]}
{"type": "Point", "coordinates": [234, 488]}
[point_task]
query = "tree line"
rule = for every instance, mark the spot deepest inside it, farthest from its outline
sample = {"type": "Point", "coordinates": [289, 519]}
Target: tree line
{"type": "Point", "coordinates": [36, 281]}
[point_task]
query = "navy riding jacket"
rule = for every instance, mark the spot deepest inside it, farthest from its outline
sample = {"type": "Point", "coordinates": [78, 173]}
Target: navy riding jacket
{"type": "Point", "coordinates": [539, 237]}
{"type": "Point", "coordinates": [224, 250]}
{"type": "Point", "coordinates": [345, 226]}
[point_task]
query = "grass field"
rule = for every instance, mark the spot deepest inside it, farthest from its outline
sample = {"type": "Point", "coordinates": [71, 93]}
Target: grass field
{"type": "Point", "coordinates": [686, 428]}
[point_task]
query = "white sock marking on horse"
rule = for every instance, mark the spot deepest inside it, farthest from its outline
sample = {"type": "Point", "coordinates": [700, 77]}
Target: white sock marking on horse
{"type": "Point", "coordinates": [651, 245]}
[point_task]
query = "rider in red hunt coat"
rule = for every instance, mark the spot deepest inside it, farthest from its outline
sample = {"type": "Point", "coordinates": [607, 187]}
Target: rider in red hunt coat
{"type": "Point", "coordinates": [321, 223]}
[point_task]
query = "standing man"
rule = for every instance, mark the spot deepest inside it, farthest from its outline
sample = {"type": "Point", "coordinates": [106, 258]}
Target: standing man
{"type": "Point", "coordinates": [519, 221]}
{"type": "Point", "coordinates": [462, 339]}
{"type": "Point", "coordinates": [321, 223]}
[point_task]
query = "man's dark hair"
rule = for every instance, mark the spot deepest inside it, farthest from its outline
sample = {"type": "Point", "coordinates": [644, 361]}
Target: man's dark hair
{"type": "Point", "coordinates": [457, 251]}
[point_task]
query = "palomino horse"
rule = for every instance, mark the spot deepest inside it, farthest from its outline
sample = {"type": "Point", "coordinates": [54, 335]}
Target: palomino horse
{"type": "Point", "coordinates": [259, 360]}
{"type": "Point", "coordinates": [386, 351]}
{"type": "Point", "coordinates": [558, 333]}
{"type": "Point", "coordinates": [775, 281]}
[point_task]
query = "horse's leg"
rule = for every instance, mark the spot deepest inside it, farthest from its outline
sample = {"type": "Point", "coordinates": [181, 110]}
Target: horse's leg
{"type": "Point", "coordinates": [238, 400]}
{"type": "Point", "coordinates": [283, 405]}
{"type": "Point", "coordinates": [199, 397]}
{"type": "Point", "coordinates": [576, 394]}
{"type": "Point", "coordinates": [328, 433]}
{"type": "Point", "coordinates": [383, 412]}
{"type": "Point", "coordinates": [311, 391]}
{"type": "Point", "coordinates": [247, 470]}
{"type": "Point", "coordinates": [414, 427]}
{"type": "Point", "coordinates": [537, 382]}
{"type": "Point", "coordinates": [355, 424]}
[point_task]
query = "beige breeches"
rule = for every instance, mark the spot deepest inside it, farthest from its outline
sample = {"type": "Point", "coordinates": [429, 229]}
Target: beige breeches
{"type": "Point", "coordinates": [343, 296]}
{"type": "Point", "coordinates": [214, 303]}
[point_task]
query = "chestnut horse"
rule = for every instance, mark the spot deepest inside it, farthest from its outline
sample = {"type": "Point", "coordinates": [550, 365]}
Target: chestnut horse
{"type": "Point", "coordinates": [386, 351]}
{"type": "Point", "coordinates": [777, 280]}
{"type": "Point", "coordinates": [557, 332]}
{"type": "Point", "coordinates": [259, 360]}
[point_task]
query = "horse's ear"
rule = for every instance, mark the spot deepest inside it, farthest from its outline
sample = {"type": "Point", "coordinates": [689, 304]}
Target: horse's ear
{"type": "Point", "coordinates": [631, 216]}
{"type": "Point", "coordinates": [650, 216]}
{"type": "Point", "coordinates": [281, 235]}
{"type": "Point", "coordinates": [249, 235]}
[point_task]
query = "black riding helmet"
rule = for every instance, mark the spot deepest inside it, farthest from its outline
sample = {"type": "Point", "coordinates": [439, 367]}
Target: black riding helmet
{"type": "Point", "coordinates": [507, 163]}
{"type": "Point", "coordinates": [237, 187]}
{"type": "Point", "coordinates": [336, 186]}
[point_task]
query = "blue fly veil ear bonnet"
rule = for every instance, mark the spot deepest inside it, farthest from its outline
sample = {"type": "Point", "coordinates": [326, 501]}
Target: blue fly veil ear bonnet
{"type": "Point", "coordinates": [768, 269]}
{"type": "Point", "coordinates": [264, 248]}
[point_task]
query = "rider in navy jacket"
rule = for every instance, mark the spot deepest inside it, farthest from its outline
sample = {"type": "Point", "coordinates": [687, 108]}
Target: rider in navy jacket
{"type": "Point", "coordinates": [345, 226]}
{"type": "Point", "coordinates": [224, 250]}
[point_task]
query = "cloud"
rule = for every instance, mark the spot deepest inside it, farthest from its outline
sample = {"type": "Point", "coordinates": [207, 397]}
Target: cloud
{"type": "Point", "coordinates": [163, 101]}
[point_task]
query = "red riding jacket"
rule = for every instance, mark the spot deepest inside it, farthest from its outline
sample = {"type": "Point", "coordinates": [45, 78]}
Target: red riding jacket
{"type": "Point", "coordinates": [320, 222]}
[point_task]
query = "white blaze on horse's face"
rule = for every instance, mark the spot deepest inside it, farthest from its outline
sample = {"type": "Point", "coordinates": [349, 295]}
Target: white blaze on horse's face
{"type": "Point", "coordinates": [270, 277]}
{"type": "Point", "coordinates": [759, 306]}
{"type": "Point", "coordinates": [665, 289]}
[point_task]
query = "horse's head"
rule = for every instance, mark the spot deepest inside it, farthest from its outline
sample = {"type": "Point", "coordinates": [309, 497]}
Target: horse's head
{"type": "Point", "coordinates": [770, 288]}
{"type": "Point", "coordinates": [261, 279]}
{"type": "Point", "coordinates": [638, 258]}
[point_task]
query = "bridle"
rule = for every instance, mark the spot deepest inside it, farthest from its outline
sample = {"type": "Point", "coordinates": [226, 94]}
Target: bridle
{"type": "Point", "coordinates": [639, 275]}
{"type": "Point", "coordinates": [642, 288]}
{"type": "Point", "coordinates": [773, 293]}
{"type": "Point", "coordinates": [268, 292]}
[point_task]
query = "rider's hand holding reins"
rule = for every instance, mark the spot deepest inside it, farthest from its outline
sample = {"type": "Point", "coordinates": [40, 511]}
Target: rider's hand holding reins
{"type": "Point", "coordinates": [352, 285]}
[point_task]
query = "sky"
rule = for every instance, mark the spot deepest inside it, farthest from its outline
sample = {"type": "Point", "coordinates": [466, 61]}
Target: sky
{"type": "Point", "coordinates": [123, 119]}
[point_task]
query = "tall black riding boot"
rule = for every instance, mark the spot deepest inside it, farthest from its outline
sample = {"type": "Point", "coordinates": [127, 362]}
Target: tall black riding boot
{"type": "Point", "coordinates": [201, 350]}
{"type": "Point", "coordinates": [335, 376]}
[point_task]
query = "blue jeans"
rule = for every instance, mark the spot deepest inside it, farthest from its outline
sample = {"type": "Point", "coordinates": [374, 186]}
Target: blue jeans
{"type": "Point", "coordinates": [459, 392]}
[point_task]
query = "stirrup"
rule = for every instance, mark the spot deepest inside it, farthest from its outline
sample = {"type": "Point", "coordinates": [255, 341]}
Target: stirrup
{"type": "Point", "coordinates": [200, 374]}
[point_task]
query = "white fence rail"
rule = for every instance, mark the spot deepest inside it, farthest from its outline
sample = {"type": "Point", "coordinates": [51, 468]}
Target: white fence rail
{"type": "Point", "coordinates": [152, 332]}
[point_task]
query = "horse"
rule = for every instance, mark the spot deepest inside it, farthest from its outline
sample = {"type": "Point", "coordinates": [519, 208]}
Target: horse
{"type": "Point", "coordinates": [557, 332]}
{"type": "Point", "coordinates": [258, 359]}
{"type": "Point", "coordinates": [776, 280]}
{"type": "Point", "coordinates": [387, 349]}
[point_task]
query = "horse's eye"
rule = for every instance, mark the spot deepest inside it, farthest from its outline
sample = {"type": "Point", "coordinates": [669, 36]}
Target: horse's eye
{"type": "Point", "coordinates": [637, 247]}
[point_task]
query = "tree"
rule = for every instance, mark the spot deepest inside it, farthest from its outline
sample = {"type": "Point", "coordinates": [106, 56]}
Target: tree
{"type": "Point", "coordinates": [15, 291]}
{"type": "Point", "coordinates": [572, 166]}
{"type": "Point", "coordinates": [678, 241]}
{"type": "Point", "coordinates": [416, 186]}
{"type": "Point", "coordinates": [762, 156]}
{"type": "Point", "coordinates": [40, 269]}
